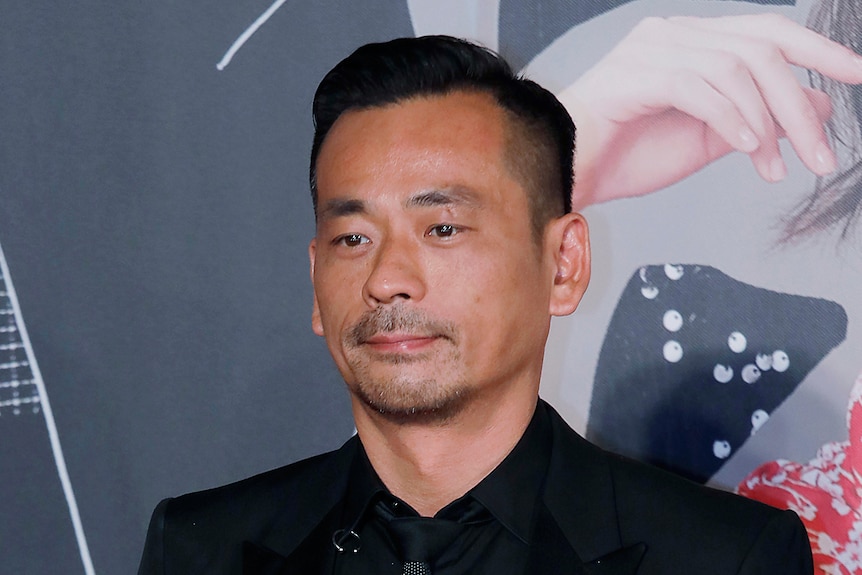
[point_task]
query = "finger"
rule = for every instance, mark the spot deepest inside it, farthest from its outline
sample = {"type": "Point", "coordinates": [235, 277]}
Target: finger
{"type": "Point", "coordinates": [821, 101]}
{"type": "Point", "coordinates": [701, 53]}
{"type": "Point", "coordinates": [691, 94]}
{"type": "Point", "coordinates": [798, 44]}
{"type": "Point", "coordinates": [729, 76]}
{"type": "Point", "coordinates": [789, 105]}
{"type": "Point", "coordinates": [779, 88]}
{"type": "Point", "coordinates": [822, 106]}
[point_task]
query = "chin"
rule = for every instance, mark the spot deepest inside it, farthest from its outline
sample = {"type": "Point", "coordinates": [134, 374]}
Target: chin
{"type": "Point", "coordinates": [417, 403]}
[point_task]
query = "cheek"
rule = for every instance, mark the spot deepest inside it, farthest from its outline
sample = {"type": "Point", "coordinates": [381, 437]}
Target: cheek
{"type": "Point", "coordinates": [334, 293]}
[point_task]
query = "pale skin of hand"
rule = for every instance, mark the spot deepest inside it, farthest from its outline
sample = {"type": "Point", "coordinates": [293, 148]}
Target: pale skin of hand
{"type": "Point", "coordinates": [678, 93]}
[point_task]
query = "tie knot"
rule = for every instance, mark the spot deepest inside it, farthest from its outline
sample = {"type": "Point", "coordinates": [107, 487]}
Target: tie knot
{"type": "Point", "coordinates": [423, 539]}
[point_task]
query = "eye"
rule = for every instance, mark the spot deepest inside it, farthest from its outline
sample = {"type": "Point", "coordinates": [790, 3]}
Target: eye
{"type": "Point", "coordinates": [351, 240]}
{"type": "Point", "coordinates": [442, 231]}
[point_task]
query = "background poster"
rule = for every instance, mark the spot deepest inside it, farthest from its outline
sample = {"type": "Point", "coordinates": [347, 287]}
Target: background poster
{"type": "Point", "coordinates": [154, 220]}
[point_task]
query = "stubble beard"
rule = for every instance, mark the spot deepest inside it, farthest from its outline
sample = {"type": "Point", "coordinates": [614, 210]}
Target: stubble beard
{"type": "Point", "coordinates": [401, 397]}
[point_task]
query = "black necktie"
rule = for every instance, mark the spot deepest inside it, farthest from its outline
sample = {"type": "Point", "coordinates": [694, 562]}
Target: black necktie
{"type": "Point", "coordinates": [421, 540]}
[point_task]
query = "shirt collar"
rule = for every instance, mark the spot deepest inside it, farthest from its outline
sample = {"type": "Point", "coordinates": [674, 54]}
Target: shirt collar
{"type": "Point", "coordinates": [364, 489]}
{"type": "Point", "coordinates": [511, 492]}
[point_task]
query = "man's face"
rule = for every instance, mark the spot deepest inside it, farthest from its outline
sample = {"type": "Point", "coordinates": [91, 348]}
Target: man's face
{"type": "Point", "coordinates": [429, 287]}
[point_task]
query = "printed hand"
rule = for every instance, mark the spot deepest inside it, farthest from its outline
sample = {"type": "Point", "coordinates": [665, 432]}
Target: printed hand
{"type": "Point", "coordinates": [676, 94]}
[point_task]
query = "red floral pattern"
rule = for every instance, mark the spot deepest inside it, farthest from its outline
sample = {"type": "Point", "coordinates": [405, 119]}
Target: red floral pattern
{"type": "Point", "coordinates": [826, 492]}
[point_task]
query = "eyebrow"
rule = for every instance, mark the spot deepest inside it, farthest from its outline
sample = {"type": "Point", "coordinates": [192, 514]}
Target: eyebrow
{"type": "Point", "coordinates": [341, 207]}
{"type": "Point", "coordinates": [444, 197]}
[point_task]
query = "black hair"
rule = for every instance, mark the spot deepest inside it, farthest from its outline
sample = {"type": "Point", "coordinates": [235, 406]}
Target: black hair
{"type": "Point", "coordinates": [836, 201]}
{"type": "Point", "coordinates": [380, 74]}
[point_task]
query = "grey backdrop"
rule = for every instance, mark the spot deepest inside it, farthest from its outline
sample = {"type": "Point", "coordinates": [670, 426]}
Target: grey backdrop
{"type": "Point", "coordinates": [155, 218]}
{"type": "Point", "coordinates": [154, 214]}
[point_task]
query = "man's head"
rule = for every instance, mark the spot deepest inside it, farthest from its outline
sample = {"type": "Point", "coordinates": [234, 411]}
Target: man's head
{"type": "Point", "coordinates": [540, 132]}
{"type": "Point", "coordinates": [434, 280]}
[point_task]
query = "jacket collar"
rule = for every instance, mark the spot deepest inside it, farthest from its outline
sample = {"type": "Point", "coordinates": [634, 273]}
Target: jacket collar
{"type": "Point", "coordinates": [296, 538]}
{"type": "Point", "coordinates": [577, 525]}
{"type": "Point", "coordinates": [580, 509]}
{"type": "Point", "coordinates": [552, 552]}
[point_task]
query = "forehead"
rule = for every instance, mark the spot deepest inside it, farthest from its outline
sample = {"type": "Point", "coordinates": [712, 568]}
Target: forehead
{"type": "Point", "coordinates": [447, 141]}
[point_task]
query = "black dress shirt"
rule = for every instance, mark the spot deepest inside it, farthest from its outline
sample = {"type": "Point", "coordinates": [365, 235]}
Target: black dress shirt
{"type": "Point", "coordinates": [498, 515]}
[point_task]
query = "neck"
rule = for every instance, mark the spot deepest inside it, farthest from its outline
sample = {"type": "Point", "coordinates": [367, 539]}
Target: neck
{"type": "Point", "coordinates": [429, 465]}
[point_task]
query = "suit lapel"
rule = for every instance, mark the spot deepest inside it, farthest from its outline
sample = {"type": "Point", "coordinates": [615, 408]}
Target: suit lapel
{"type": "Point", "coordinates": [299, 540]}
{"type": "Point", "coordinates": [623, 561]}
{"type": "Point", "coordinates": [258, 560]}
{"type": "Point", "coordinates": [579, 501]}
{"type": "Point", "coordinates": [551, 552]}
{"type": "Point", "coordinates": [313, 556]}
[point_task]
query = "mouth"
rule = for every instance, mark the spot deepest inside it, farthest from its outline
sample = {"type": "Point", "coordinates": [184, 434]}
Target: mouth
{"type": "Point", "coordinates": [398, 334]}
{"type": "Point", "coordinates": [400, 343]}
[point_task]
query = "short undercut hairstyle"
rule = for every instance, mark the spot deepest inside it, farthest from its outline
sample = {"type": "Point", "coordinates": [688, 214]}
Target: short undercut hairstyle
{"type": "Point", "coordinates": [540, 134]}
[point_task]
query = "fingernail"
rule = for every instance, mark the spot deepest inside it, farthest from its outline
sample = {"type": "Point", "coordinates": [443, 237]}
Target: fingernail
{"type": "Point", "coordinates": [825, 159]}
{"type": "Point", "coordinates": [748, 139]}
{"type": "Point", "coordinates": [777, 170]}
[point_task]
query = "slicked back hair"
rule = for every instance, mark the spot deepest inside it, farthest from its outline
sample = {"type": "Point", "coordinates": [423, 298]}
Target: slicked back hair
{"type": "Point", "coordinates": [540, 133]}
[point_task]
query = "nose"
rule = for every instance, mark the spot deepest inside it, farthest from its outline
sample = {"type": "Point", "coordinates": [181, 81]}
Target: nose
{"type": "Point", "coordinates": [396, 274]}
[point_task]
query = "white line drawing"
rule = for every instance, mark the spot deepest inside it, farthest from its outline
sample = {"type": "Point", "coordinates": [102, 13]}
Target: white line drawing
{"type": "Point", "coordinates": [485, 28]}
{"type": "Point", "coordinates": [248, 33]}
{"type": "Point", "coordinates": [476, 20]}
{"type": "Point", "coordinates": [42, 399]}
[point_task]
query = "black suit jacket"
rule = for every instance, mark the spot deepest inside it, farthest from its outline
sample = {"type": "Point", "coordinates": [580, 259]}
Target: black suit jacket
{"type": "Point", "coordinates": [602, 514]}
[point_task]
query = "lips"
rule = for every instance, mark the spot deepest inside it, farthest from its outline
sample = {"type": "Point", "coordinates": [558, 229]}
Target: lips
{"type": "Point", "coordinates": [399, 342]}
{"type": "Point", "coordinates": [397, 330]}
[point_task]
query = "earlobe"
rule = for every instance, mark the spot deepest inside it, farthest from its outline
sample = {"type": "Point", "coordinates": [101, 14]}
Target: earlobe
{"type": "Point", "coordinates": [316, 323]}
{"type": "Point", "coordinates": [571, 242]}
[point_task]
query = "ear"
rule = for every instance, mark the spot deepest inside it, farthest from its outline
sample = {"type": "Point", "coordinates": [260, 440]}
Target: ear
{"type": "Point", "coordinates": [316, 324]}
{"type": "Point", "coordinates": [570, 241]}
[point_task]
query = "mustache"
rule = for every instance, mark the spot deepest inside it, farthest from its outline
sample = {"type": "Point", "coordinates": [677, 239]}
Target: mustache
{"type": "Point", "coordinates": [397, 319]}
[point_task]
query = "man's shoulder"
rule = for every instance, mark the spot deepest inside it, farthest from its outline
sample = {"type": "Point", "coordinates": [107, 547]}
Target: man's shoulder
{"type": "Point", "coordinates": [641, 485]}
{"type": "Point", "coordinates": [315, 477]}
{"type": "Point", "coordinates": [643, 489]}
{"type": "Point", "coordinates": [685, 525]}
{"type": "Point", "coordinates": [694, 527]}
{"type": "Point", "coordinates": [204, 531]}
{"type": "Point", "coordinates": [285, 500]}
